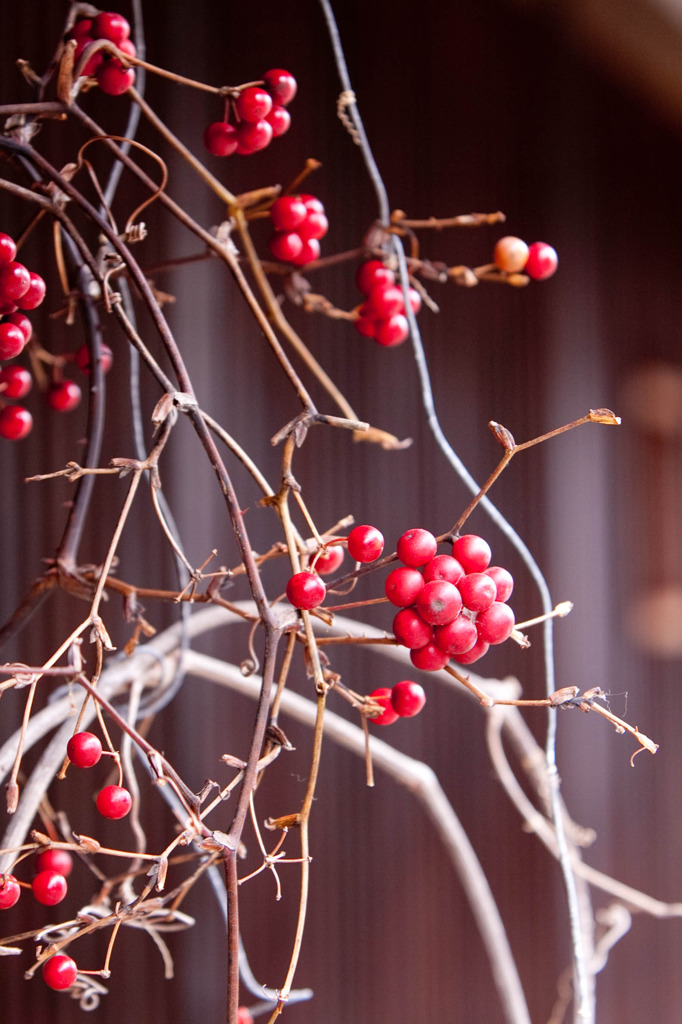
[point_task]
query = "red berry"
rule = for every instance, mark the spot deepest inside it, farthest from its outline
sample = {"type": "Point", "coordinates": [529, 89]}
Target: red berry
{"type": "Point", "coordinates": [542, 261]}
{"type": "Point", "coordinates": [21, 321]}
{"type": "Point", "coordinates": [439, 602]}
{"type": "Point", "coordinates": [510, 254]}
{"type": "Point", "coordinates": [443, 567]}
{"type": "Point", "coordinates": [84, 749]}
{"type": "Point", "coordinates": [310, 251]}
{"type": "Point", "coordinates": [429, 658]}
{"type": "Point", "coordinates": [10, 891]}
{"type": "Point", "coordinates": [410, 630]}
{"type": "Point", "coordinates": [90, 68]}
{"type": "Point", "coordinates": [457, 637]}
{"type": "Point", "coordinates": [416, 547]}
{"type": "Point", "coordinates": [403, 585]}
{"type": "Point", "coordinates": [15, 280]}
{"type": "Point", "coordinates": [49, 887]}
{"type": "Point", "coordinates": [312, 203]}
{"type": "Point", "coordinates": [281, 85]}
{"type": "Point", "coordinates": [244, 1016]}
{"type": "Point", "coordinates": [472, 552]}
{"type": "Point", "coordinates": [414, 299]}
{"type": "Point", "coordinates": [12, 340]}
{"type": "Point", "coordinates": [55, 860]}
{"type": "Point", "coordinates": [478, 591]}
{"type": "Point", "coordinates": [220, 138]}
{"type": "Point", "coordinates": [306, 590]}
{"type": "Point", "coordinates": [15, 381]}
{"type": "Point", "coordinates": [114, 802]}
{"type": "Point", "coordinates": [407, 698]}
{"type": "Point", "coordinates": [59, 972]}
{"type": "Point", "coordinates": [252, 136]}
{"type": "Point", "coordinates": [473, 654]}
{"type": "Point", "coordinates": [504, 581]}
{"type": "Point", "coordinates": [288, 213]}
{"type": "Point", "coordinates": [372, 273]}
{"type": "Point", "coordinates": [388, 716]}
{"type": "Point", "coordinates": [111, 26]}
{"type": "Point", "coordinates": [15, 422]}
{"type": "Point", "coordinates": [385, 300]}
{"type": "Point", "coordinates": [128, 47]}
{"type": "Point", "coordinates": [392, 331]}
{"type": "Point", "coordinates": [365, 543]}
{"type": "Point", "coordinates": [330, 560]}
{"type": "Point", "coordinates": [82, 358]}
{"type": "Point", "coordinates": [315, 225]}
{"type": "Point", "coordinates": [253, 104]}
{"type": "Point", "coordinates": [63, 396]}
{"type": "Point", "coordinates": [279, 120]}
{"type": "Point", "coordinates": [113, 78]}
{"type": "Point", "coordinates": [81, 28]}
{"type": "Point", "coordinates": [365, 325]}
{"type": "Point", "coordinates": [8, 249]}
{"type": "Point", "coordinates": [496, 623]}
{"type": "Point", "coordinates": [286, 245]}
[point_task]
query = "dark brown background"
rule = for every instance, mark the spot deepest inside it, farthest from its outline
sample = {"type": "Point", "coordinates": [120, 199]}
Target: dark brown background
{"type": "Point", "coordinates": [468, 107]}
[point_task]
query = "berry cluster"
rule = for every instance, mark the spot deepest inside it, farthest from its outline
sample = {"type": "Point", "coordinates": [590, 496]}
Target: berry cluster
{"type": "Point", "coordinates": [111, 76]}
{"type": "Point", "coordinates": [305, 590]}
{"type": "Point", "coordinates": [62, 394]}
{"type": "Point", "coordinates": [404, 700]}
{"type": "Point", "coordinates": [20, 289]}
{"type": "Point", "coordinates": [451, 606]}
{"type": "Point", "coordinates": [84, 749]}
{"type": "Point", "coordinates": [49, 885]}
{"type": "Point", "coordinates": [382, 315]}
{"type": "Point", "coordinates": [260, 116]}
{"type": "Point", "coordinates": [538, 261]}
{"type": "Point", "coordinates": [299, 222]}
{"type": "Point", "coordinates": [49, 888]}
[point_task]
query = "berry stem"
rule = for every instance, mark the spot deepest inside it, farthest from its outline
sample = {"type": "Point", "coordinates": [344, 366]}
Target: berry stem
{"type": "Point", "coordinates": [502, 465]}
{"type": "Point", "coordinates": [560, 611]}
{"type": "Point", "coordinates": [503, 436]}
{"type": "Point", "coordinates": [355, 604]}
{"type": "Point", "coordinates": [399, 219]}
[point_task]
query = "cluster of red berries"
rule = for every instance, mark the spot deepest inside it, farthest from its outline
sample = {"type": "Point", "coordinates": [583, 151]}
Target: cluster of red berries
{"type": "Point", "coordinates": [305, 590]}
{"type": "Point", "coordinates": [299, 222]}
{"type": "Point", "coordinates": [404, 700]}
{"type": "Point", "coordinates": [451, 606]}
{"type": "Point", "coordinates": [49, 885]}
{"type": "Point", "coordinates": [62, 394]}
{"type": "Point", "coordinates": [111, 76]}
{"type": "Point", "coordinates": [20, 289]}
{"type": "Point", "coordinates": [538, 261]}
{"type": "Point", "coordinates": [84, 749]}
{"type": "Point", "coordinates": [382, 315]}
{"type": "Point", "coordinates": [260, 116]}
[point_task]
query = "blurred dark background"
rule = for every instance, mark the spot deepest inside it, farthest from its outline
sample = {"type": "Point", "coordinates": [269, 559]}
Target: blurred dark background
{"type": "Point", "coordinates": [567, 118]}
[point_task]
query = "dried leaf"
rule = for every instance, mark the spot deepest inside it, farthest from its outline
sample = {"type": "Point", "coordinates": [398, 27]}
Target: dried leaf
{"type": "Point", "coordinates": [563, 695]}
